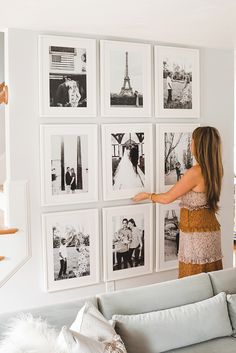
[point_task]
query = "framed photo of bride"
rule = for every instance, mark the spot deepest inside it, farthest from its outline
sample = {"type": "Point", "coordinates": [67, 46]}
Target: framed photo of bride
{"type": "Point", "coordinates": [71, 249]}
{"type": "Point", "coordinates": [177, 87]}
{"type": "Point", "coordinates": [67, 76]}
{"type": "Point", "coordinates": [127, 156]}
{"type": "Point", "coordinates": [128, 241]}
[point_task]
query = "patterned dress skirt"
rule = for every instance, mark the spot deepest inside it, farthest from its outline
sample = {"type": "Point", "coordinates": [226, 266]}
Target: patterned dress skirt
{"type": "Point", "coordinates": [200, 236]}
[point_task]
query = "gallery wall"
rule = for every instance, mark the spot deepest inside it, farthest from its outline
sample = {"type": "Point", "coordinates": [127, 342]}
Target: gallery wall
{"type": "Point", "coordinates": [26, 288]}
{"type": "Point", "coordinates": [2, 120]}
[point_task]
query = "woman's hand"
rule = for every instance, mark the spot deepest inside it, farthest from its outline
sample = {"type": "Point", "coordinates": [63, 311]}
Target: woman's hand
{"type": "Point", "coordinates": [141, 196]}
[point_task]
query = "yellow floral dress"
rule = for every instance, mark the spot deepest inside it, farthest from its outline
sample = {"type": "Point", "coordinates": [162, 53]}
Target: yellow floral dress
{"type": "Point", "coordinates": [200, 236]}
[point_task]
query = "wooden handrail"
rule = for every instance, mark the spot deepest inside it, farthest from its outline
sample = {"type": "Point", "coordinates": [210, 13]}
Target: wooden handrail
{"type": "Point", "coordinates": [4, 231]}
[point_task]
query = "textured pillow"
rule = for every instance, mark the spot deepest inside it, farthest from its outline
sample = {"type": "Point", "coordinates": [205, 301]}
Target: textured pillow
{"type": "Point", "coordinates": [231, 298]}
{"type": "Point", "coordinates": [26, 334]}
{"type": "Point", "coordinates": [164, 330]}
{"type": "Point", "coordinates": [91, 323]}
{"type": "Point", "coordinates": [71, 342]}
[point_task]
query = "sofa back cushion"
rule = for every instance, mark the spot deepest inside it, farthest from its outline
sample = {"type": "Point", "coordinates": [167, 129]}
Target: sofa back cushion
{"type": "Point", "coordinates": [156, 297]}
{"type": "Point", "coordinates": [173, 328]}
{"type": "Point", "coordinates": [224, 281]}
{"type": "Point", "coordinates": [231, 299]}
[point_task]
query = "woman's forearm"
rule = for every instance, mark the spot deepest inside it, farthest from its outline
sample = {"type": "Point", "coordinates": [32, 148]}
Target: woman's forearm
{"type": "Point", "coordinates": [162, 198]}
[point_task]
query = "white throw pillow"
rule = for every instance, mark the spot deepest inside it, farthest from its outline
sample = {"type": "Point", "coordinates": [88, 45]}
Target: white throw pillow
{"type": "Point", "coordinates": [231, 299]}
{"type": "Point", "coordinates": [26, 334]}
{"type": "Point", "coordinates": [91, 323]}
{"type": "Point", "coordinates": [164, 330]}
{"type": "Point", "coordinates": [71, 342]}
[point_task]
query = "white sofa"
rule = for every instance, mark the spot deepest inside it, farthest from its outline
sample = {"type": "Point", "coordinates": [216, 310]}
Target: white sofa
{"type": "Point", "coordinates": [152, 298]}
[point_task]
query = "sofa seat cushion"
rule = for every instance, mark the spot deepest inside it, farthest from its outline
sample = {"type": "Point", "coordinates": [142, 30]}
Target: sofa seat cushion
{"type": "Point", "coordinates": [218, 345]}
{"type": "Point", "coordinates": [164, 330]}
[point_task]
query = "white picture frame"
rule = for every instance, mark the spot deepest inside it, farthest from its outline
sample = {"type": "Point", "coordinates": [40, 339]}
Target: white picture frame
{"type": "Point", "coordinates": [167, 238]}
{"type": "Point", "coordinates": [82, 237]}
{"type": "Point", "coordinates": [67, 76]}
{"type": "Point", "coordinates": [183, 101]}
{"type": "Point", "coordinates": [125, 79]}
{"type": "Point", "coordinates": [171, 164]}
{"type": "Point", "coordinates": [69, 149]}
{"type": "Point", "coordinates": [128, 147]}
{"type": "Point", "coordinates": [142, 263]}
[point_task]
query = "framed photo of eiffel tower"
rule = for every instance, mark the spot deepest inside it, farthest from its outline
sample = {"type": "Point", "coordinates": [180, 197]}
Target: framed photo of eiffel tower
{"type": "Point", "coordinates": [127, 160]}
{"type": "Point", "coordinates": [167, 236]}
{"type": "Point", "coordinates": [177, 82]}
{"type": "Point", "coordinates": [125, 79]}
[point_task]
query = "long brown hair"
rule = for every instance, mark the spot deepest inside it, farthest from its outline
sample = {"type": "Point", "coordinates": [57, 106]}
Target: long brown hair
{"type": "Point", "coordinates": [207, 152]}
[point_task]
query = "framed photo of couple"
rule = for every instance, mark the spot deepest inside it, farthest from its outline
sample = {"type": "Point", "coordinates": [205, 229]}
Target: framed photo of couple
{"type": "Point", "coordinates": [128, 241]}
{"type": "Point", "coordinates": [67, 73]}
{"type": "Point", "coordinates": [127, 160]}
{"type": "Point", "coordinates": [177, 86]}
{"type": "Point", "coordinates": [71, 249]}
{"type": "Point", "coordinates": [69, 164]}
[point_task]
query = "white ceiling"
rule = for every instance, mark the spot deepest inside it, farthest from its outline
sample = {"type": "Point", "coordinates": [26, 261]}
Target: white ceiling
{"type": "Point", "coordinates": [191, 22]}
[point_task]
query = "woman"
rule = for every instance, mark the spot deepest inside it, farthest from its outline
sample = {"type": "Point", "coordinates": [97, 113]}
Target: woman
{"type": "Point", "coordinates": [135, 245]}
{"type": "Point", "coordinates": [199, 189]}
{"type": "Point", "coordinates": [73, 180]}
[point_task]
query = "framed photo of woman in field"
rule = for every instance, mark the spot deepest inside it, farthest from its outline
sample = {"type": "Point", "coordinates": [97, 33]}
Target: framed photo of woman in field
{"type": "Point", "coordinates": [127, 160]}
{"type": "Point", "coordinates": [69, 164]}
{"type": "Point", "coordinates": [128, 239]}
{"type": "Point", "coordinates": [71, 249]}
{"type": "Point", "coordinates": [167, 239]}
{"type": "Point", "coordinates": [67, 76]}
{"type": "Point", "coordinates": [174, 156]}
{"type": "Point", "coordinates": [177, 87]}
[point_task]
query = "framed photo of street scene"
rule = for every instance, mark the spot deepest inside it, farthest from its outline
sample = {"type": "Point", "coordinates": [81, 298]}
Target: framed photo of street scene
{"type": "Point", "coordinates": [174, 156]}
{"type": "Point", "coordinates": [128, 241]}
{"type": "Point", "coordinates": [127, 160]}
{"type": "Point", "coordinates": [167, 239]}
{"type": "Point", "coordinates": [69, 164]}
{"type": "Point", "coordinates": [67, 76]}
{"type": "Point", "coordinates": [177, 86]}
{"type": "Point", "coordinates": [71, 249]}
{"type": "Point", "coordinates": [125, 79]}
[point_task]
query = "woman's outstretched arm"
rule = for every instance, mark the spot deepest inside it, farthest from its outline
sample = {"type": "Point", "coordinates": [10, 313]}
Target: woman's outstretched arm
{"type": "Point", "coordinates": [185, 184]}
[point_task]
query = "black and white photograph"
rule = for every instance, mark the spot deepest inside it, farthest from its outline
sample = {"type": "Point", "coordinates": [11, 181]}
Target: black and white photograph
{"type": "Point", "coordinates": [128, 238]}
{"type": "Point", "coordinates": [168, 235]}
{"type": "Point", "coordinates": [177, 82]}
{"type": "Point", "coordinates": [70, 69]}
{"type": "Point", "coordinates": [69, 164]}
{"type": "Point", "coordinates": [71, 156]}
{"type": "Point", "coordinates": [178, 155]}
{"type": "Point", "coordinates": [127, 153]}
{"type": "Point", "coordinates": [174, 155]}
{"type": "Point", "coordinates": [128, 242]}
{"type": "Point", "coordinates": [71, 242]}
{"type": "Point", "coordinates": [126, 79]}
{"type": "Point", "coordinates": [125, 74]}
{"type": "Point", "coordinates": [128, 160]}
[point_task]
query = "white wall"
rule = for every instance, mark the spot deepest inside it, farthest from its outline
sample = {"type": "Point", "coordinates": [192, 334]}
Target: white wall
{"type": "Point", "coordinates": [2, 115]}
{"type": "Point", "coordinates": [25, 289]}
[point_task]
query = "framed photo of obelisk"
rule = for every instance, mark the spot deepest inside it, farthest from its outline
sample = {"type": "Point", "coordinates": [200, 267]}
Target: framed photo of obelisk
{"type": "Point", "coordinates": [69, 164]}
{"type": "Point", "coordinates": [125, 79]}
